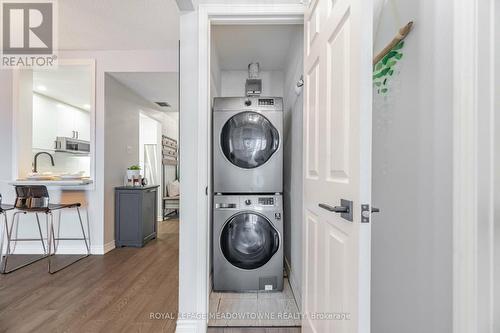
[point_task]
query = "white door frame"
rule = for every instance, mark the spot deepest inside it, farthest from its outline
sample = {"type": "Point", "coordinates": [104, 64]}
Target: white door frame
{"type": "Point", "coordinates": [209, 14]}
{"type": "Point", "coordinates": [473, 166]}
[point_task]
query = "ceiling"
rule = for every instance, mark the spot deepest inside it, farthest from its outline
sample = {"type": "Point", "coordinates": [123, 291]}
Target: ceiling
{"type": "Point", "coordinates": [253, 2]}
{"type": "Point", "coordinates": [69, 84]}
{"type": "Point", "coordinates": [153, 87]}
{"type": "Point", "coordinates": [118, 24]}
{"type": "Point", "coordinates": [237, 46]}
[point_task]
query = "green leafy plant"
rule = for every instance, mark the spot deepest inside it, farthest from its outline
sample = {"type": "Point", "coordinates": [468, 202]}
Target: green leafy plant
{"type": "Point", "coordinates": [384, 69]}
{"type": "Point", "coordinates": [134, 167]}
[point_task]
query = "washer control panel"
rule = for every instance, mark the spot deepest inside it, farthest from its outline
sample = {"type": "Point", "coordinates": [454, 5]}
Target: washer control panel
{"type": "Point", "coordinates": [266, 101]}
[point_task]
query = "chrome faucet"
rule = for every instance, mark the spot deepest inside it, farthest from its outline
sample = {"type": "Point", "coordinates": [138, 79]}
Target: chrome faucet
{"type": "Point", "coordinates": [36, 157]}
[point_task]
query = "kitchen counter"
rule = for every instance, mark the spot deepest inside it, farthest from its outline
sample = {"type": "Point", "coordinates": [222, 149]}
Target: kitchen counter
{"type": "Point", "coordinates": [80, 184]}
{"type": "Point", "coordinates": [136, 188]}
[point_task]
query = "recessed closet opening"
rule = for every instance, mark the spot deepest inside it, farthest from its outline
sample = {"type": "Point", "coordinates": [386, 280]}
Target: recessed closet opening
{"type": "Point", "coordinates": [256, 185]}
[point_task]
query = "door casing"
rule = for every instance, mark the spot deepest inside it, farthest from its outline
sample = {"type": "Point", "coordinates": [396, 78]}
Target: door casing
{"type": "Point", "coordinates": [208, 15]}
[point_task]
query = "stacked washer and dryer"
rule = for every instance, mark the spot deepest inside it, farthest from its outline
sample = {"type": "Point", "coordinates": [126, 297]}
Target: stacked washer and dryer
{"type": "Point", "coordinates": [248, 186]}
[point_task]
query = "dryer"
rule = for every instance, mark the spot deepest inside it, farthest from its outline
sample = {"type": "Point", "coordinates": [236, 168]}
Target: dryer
{"type": "Point", "coordinates": [248, 145]}
{"type": "Point", "coordinates": [248, 243]}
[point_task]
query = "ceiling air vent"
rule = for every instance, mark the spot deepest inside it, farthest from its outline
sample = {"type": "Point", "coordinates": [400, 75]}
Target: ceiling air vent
{"type": "Point", "coordinates": [163, 104]}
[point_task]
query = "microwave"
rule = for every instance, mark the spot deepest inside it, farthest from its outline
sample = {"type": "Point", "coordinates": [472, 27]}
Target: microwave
{"type": "Point", "coordinates": [73, 146]}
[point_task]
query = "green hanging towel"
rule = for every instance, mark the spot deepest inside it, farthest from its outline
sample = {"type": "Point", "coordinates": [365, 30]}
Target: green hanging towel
{"type": "Point", "coordinates": [385, 67]}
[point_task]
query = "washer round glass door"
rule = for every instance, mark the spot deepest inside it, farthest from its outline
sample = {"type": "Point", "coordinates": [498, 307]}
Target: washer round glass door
{"type": "Point", "coordinates": [248, 140]}
{"type": "Point", "coordinates": [249, 240]}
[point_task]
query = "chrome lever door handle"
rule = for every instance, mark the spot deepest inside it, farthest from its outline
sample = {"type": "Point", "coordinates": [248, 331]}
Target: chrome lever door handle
{"type": "Point", "coordinates": [336, 209]}
{"type": "Point", "coordinates": [345, 209]}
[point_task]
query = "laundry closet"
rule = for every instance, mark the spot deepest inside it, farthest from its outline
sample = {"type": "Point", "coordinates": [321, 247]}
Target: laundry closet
{"type": "Point", "coordinates": [256, 222]}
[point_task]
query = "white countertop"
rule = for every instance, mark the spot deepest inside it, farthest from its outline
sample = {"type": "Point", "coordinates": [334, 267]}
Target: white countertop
{"type": "Point", "coordinates": [69, 184]}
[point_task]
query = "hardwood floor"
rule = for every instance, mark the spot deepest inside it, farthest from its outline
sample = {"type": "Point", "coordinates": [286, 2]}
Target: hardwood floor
{"type": "Point", "coordinates": [117, 292]}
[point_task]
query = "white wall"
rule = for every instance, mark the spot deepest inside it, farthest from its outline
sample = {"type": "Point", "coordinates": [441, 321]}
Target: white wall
{"type": "Point", "coordinates": [170, 125]}
{"type": "Point", "coordinates": [215, 73]}
{"type": "Point", "coordinates": [412, 179]}
{"type": "Point", "coordinates": [233, 83]}
{"type": "Point", "coordinates": [292, 164]}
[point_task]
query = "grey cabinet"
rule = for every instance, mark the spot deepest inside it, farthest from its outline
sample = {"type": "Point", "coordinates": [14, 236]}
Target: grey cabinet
{"type": "Point", "coordinates": [135, 215]}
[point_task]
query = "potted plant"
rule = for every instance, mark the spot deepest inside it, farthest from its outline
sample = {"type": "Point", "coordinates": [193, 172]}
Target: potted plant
{"type": "Point", "coordinates": [133, 172]}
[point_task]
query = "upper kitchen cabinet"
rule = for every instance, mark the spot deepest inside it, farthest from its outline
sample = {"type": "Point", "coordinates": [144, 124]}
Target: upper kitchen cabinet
{"type": "Point", "coordinates": [62, 100]}
{"type": "Point", "coordinates": [57, 109]}
{"type": "Point", "coordinates": [52, 119]}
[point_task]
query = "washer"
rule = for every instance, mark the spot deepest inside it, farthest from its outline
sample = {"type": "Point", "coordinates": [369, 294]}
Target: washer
{"type": "Point", "coordinates": [248, 243]}
{"type": "Point", "coordinates": [247, 140]}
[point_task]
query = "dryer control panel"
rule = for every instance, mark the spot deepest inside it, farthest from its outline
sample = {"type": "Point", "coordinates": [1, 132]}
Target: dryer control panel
{"type": "Point", "coordinates": [267, 103]}
{"type": "Point", "coordinates": [269, 201]}
{"type": "Point", "coordinates": [236, 202]}
{"type": "Point", "coordinates": [260, 201]}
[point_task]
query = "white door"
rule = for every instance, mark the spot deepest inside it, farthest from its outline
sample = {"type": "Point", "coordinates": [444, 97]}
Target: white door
{"type": "Point", "coordinates": [337, 165]}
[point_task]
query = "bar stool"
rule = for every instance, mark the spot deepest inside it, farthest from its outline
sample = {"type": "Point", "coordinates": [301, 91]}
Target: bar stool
{"type": "Point", "coordinates": [35, 199]}
{"type": "Point", "coordinates": [10, 240]}
{"type": "Point", "coordinates": [3, 211]}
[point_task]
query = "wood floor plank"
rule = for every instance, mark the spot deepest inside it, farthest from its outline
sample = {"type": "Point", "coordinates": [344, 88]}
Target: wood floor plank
{"type": "Point", "coordinates": [253, 330]}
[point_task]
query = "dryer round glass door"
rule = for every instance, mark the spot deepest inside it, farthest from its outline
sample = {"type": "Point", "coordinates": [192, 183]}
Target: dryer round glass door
{"type": "Point", "coordinates": [249, 240]}
{"type": "Point", "coordinates": [248, 140]}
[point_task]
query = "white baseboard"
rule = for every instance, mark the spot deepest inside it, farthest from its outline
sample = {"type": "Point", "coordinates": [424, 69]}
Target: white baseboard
{"type": "Point", "coordinates": [293, 284]}
{"type": "Point", "coordinates": [109, 246]}
{"type": "Point", "coordinates": [34, 248]}
{"type": "Point", "coordinates": [191, 326]}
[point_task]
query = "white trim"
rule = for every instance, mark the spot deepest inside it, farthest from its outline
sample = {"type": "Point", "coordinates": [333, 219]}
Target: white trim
{"type": "Point", "coordinates": [203, 255]}
{"type": "Point", "coordinates": [220, 14]}
{"type": "Point", "coordinates": [190, 326]}
{"type": "Point", "coordinates": [473, 143]}
{"type": "Point", "coordinates": [294, 285]}
{"type": "Point", "coordinates": [105, 249]}
{"type": "Point", "coordinates": [36, 248]}
{"type": "Point", "coordinates": [15, 121]}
